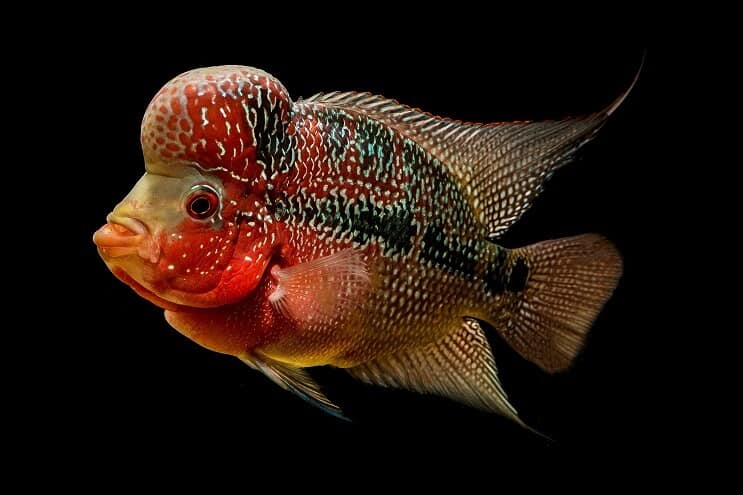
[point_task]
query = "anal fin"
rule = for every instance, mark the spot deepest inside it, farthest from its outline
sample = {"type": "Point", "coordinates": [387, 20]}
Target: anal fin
{"type": "Point", "coordinates": [295, 380]}
{"type": "Point", "coordinates": [460, 366]}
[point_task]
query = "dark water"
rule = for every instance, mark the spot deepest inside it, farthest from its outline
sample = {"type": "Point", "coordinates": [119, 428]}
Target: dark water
{"type": "Point", "coordinates": [131, 382]}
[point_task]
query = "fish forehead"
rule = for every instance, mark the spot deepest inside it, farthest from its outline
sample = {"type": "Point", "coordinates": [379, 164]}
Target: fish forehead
{"type": "Point", "coordinates": [213, 116]}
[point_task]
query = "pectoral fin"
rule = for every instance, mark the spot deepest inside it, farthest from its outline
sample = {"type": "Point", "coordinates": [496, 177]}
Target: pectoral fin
{"type": "Point", "coordinates": [295, 380]}
{"type": "Point", "coordinates": [321, 291]}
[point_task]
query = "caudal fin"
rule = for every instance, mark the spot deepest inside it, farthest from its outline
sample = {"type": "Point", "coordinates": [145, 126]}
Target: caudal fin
{"type": "Point", "coordinates": [566, 283]}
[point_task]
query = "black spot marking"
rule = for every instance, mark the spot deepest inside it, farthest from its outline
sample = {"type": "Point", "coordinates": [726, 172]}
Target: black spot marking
{"type": "Point", "coordinates": [335, 135]}
{"type": "Point", "coordinates": [447, 253]}
{"type": "Point", "coordinates": [270, 133]}
{"type": "Point", "coordinates": [392, 226]}
{"type": "Point", "coordinates": [518, 277]}
{"type": "Point", "coordinates": [395, 226]}
{"type": "Point", "coordinates": [364, 223]}
{"type": "Point", "coordinates": [398, 231]}
{"type": "Point", "coordinates": [494, 281]}
{"type": "Point", "coordinates": [495, 276]}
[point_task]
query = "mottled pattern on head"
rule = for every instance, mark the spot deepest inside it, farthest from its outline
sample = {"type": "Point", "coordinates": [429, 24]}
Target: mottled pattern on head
{"type": "Point", "coordinates": [228, 119]}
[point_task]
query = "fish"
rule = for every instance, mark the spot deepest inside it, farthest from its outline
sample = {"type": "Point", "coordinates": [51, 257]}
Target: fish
{"type": "Point", "coordinates": [353, 231]}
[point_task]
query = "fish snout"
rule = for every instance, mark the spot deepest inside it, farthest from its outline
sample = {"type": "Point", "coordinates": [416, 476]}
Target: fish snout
{"type": "Point", "coordinates": [125, 236]}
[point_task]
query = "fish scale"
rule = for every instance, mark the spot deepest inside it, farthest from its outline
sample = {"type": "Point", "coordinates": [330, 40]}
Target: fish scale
{"type": "Point", "coordinates": [351, 230]}
{"type": "Point", "coordinates": [409, 245]}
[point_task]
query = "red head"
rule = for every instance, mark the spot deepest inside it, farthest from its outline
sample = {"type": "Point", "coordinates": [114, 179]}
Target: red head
{"type": "Point", "coordinates": [195, 230]}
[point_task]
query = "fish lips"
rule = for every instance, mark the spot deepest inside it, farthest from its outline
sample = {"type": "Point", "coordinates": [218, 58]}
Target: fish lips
{"type": "Point", "coordinates": [125, 236]}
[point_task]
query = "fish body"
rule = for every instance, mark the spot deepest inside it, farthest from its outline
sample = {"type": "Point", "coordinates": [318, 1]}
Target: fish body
{"type": "Point", "coordinates": [353, 231]}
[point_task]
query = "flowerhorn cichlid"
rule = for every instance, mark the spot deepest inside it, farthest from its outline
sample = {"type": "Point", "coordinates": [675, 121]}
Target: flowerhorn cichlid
{"type": "Point", "coordinates": [353, 231]}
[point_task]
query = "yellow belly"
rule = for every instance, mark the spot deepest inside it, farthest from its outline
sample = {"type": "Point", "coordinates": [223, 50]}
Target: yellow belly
{"type": "Point", "coordinates": [410, 306]}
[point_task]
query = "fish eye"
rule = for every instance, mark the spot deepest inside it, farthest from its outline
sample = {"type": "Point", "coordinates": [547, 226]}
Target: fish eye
{"type": "Point", "coordinates": [202, 202]}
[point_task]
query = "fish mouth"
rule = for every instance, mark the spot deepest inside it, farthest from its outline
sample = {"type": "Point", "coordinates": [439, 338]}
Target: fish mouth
{"type": "Point", "coordinates": [132, 224]}
{"type": "Point", "coordinates": [125, 236]}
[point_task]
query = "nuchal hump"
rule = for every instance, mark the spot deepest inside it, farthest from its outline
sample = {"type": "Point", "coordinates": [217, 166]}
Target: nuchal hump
{"type": "Point", "coordinates": [231, 119]}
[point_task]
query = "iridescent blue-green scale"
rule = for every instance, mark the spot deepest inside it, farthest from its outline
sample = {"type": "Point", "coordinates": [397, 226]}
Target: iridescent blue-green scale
{"type": "Point", "coordinates": [375, 188]}
{"type": "Point", "coordinates": [451, 239]}
{"type": "Point", "coordinates": [355, 193]}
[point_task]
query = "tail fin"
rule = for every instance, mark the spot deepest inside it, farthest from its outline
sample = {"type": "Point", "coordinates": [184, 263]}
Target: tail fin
{"type": "Point", "coordinates": [565, 284]}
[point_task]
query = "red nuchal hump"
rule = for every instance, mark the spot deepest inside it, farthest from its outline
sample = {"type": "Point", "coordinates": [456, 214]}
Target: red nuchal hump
{"type": "Point", "coordinates": [205, 116]}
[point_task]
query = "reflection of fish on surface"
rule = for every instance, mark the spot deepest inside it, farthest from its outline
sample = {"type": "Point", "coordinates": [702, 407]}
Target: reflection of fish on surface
{"type": "Point", "coordinates": [353, 231]}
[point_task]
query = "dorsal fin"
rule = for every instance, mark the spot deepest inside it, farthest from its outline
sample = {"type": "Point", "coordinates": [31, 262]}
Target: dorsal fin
{"type": "Point", "coordinates": [500, 166]}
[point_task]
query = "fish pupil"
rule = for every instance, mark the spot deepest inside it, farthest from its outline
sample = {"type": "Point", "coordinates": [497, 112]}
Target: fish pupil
{"type": "Point", "coordinates": [203, 203]}
{"type": "Point", "coordinates": [200, 205]}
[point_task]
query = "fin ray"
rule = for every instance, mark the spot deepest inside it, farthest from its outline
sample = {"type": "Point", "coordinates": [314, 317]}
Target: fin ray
{"type": "Point", "coordinates": [321, 290]}
{"type": "Point", "coordinates": [460, 367]}
{"type": "Point", "coordinates": [569, 281]}
{"type": "Point", "coordinates": [502, 165]}
{"type": "Point", "coordinates": [295, 380]}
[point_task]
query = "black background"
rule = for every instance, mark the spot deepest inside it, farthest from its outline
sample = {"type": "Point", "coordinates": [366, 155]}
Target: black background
{"type": "Point", "coordinates": [126, 381]}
